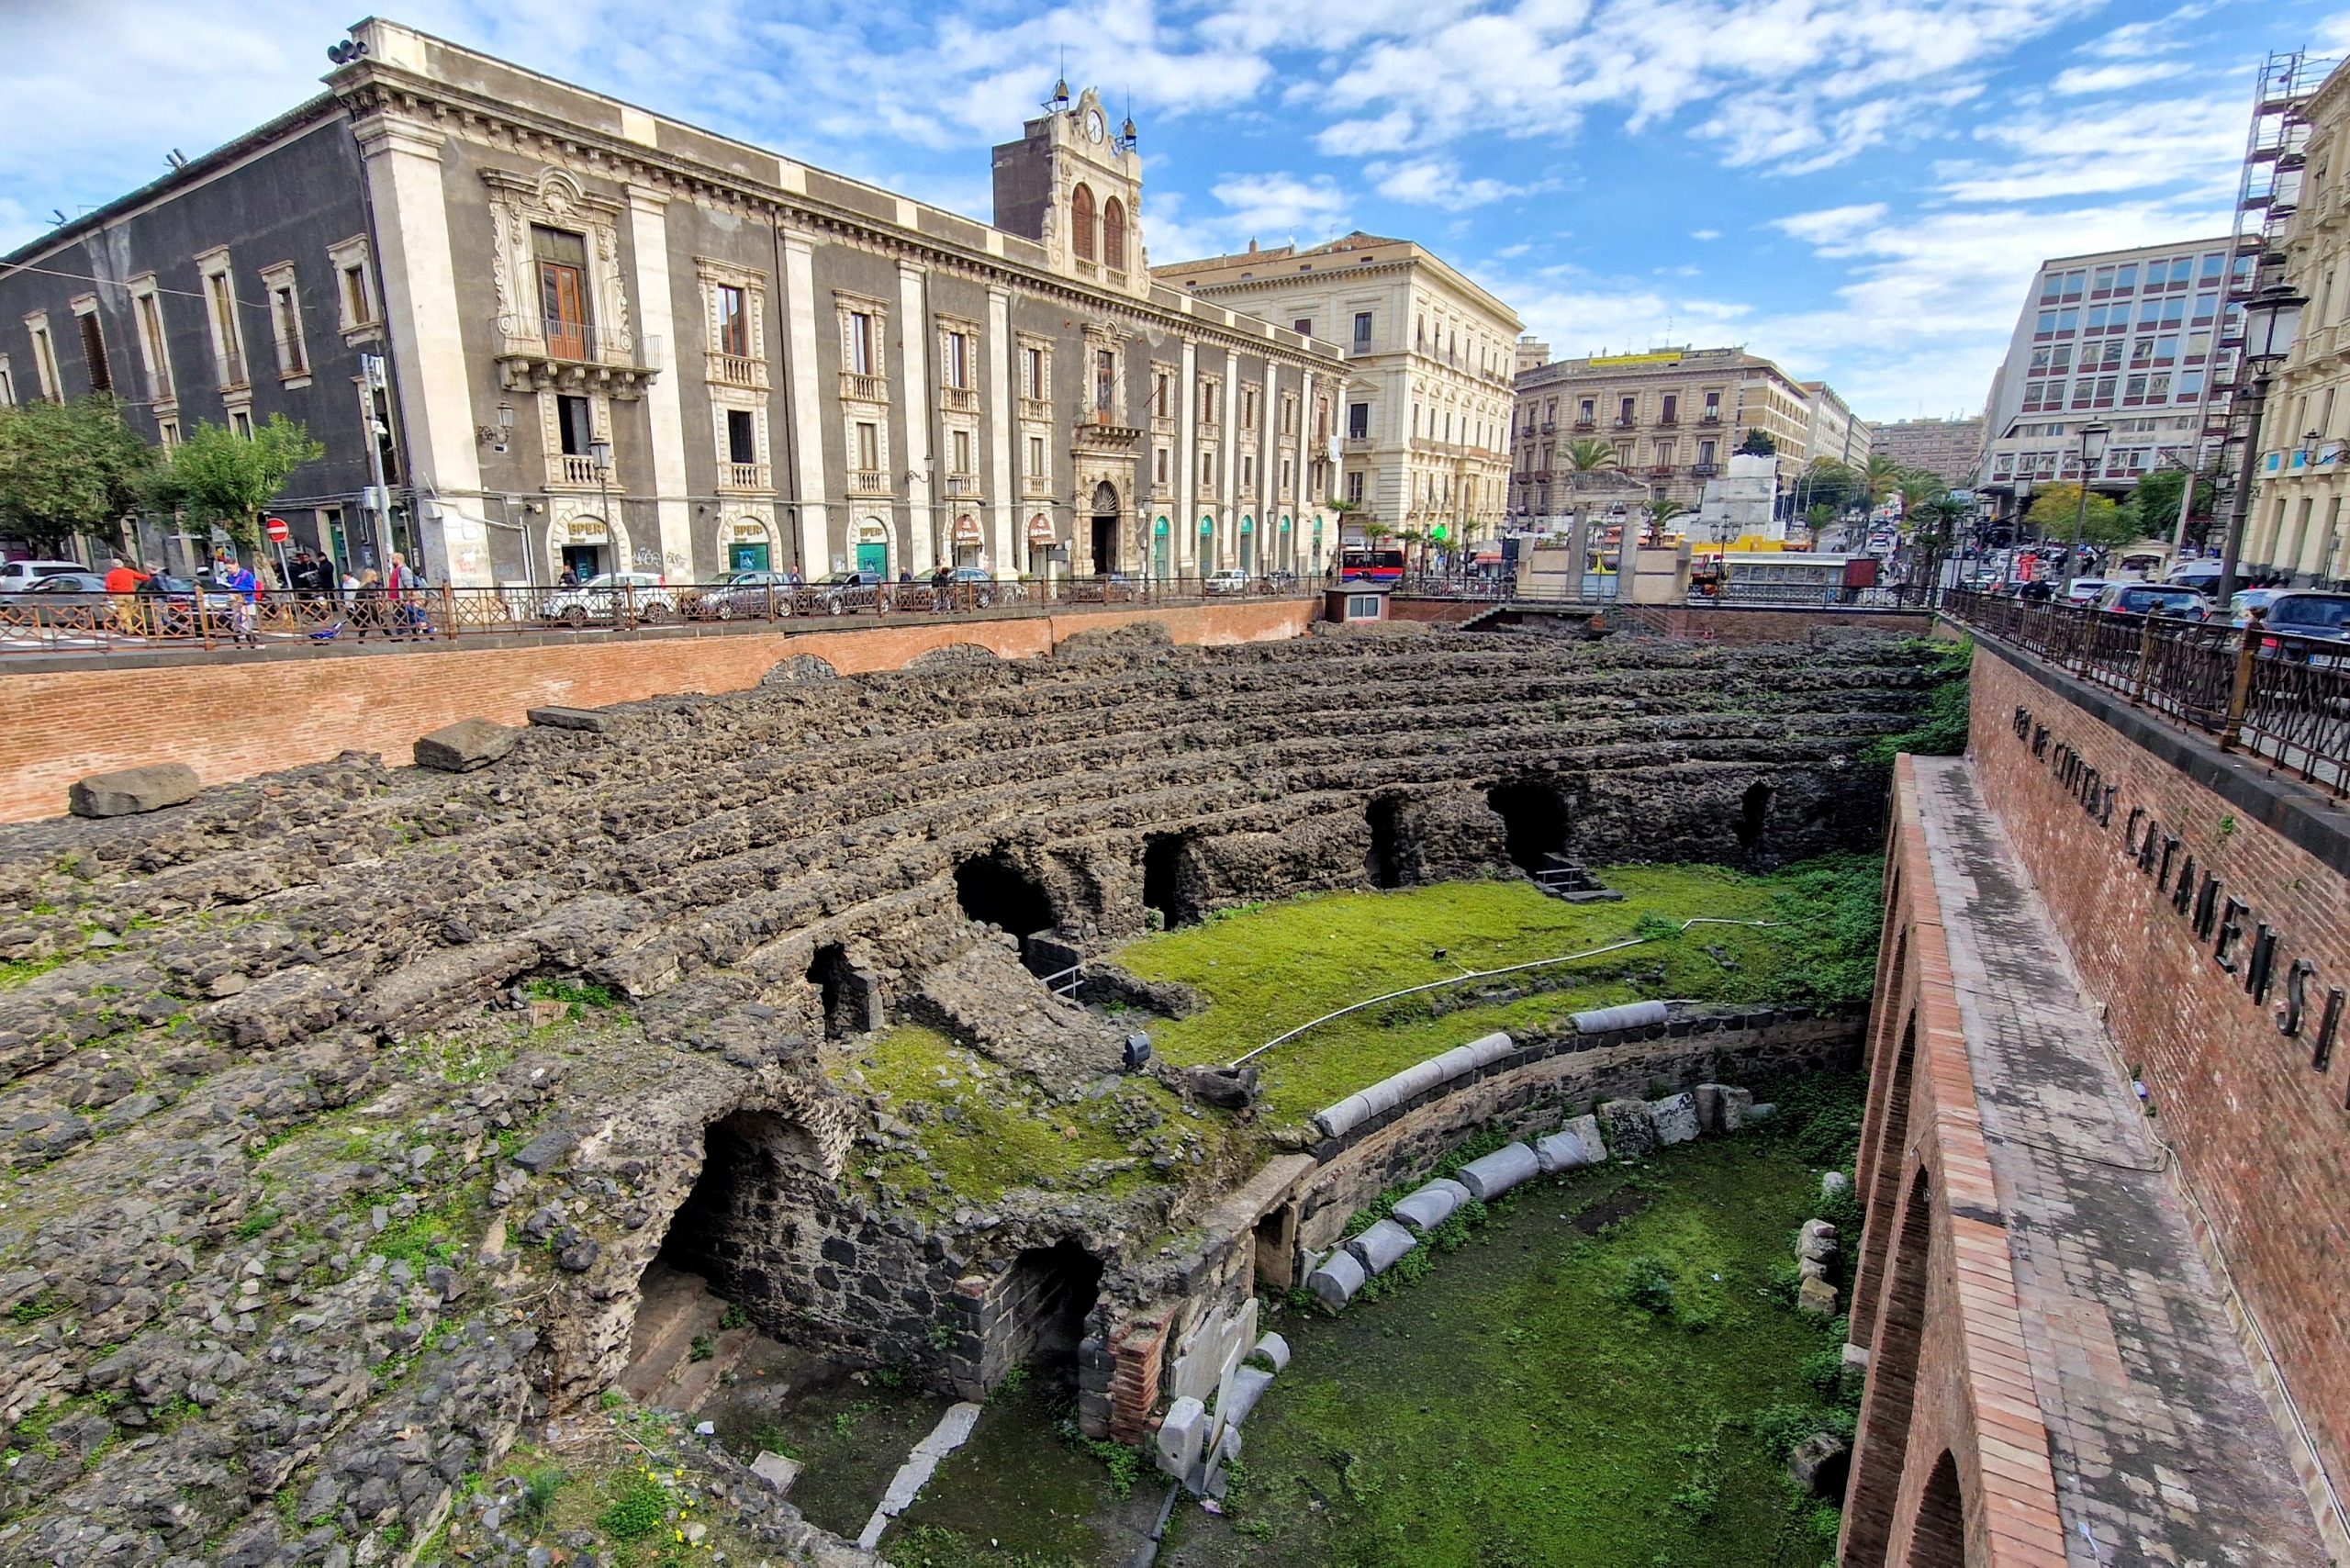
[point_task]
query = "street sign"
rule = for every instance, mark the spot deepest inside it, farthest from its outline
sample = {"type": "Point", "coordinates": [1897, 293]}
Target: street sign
{"type": "Point", "coordinates": [276, 529]}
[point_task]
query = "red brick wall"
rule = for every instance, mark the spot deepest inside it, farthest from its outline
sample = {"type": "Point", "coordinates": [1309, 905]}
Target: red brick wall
{"type": "Point", "coordinates": [1723, 624]}
{"type": "Point", "coordinates": [231, 719]}
{"type": "Point", "coordinates": [2263, 1140]}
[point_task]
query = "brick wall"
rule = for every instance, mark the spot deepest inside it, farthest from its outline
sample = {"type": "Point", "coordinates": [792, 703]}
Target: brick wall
{"type": "Point", "coordinates": [1724, 623]}
{"type": "Point", "coordinates": [233, 716]}
{"type": "Point", "coordinates": [2262, 1134]}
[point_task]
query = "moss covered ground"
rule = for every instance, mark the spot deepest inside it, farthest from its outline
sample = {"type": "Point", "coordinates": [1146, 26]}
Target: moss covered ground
{"type": "Point", "coordinates": [1268, 967]}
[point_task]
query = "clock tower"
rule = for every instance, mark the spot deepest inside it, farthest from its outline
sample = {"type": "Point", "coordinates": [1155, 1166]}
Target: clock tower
{"type": "Point", "coordinates": [1073, 183]}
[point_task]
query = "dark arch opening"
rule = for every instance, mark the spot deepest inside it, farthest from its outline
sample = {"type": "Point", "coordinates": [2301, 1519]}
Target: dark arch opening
{"type": "Point", "coordinates": [994, 892]}
{"type": "Point", "coordinates": [843, 998]}
{"type": "Point", "coordinates": [1162, 879]}
{"type": "Point", "coordinates": [1046, 1300]}
{"type": "Point", "coordinates": [1752, 807]}
{"type": "Point", "coordinates": [1385, 862]}
{"type": "Point", "coordinates": [1938, 1540]}
{"type": "Point", "coordinates": [1534, 818]}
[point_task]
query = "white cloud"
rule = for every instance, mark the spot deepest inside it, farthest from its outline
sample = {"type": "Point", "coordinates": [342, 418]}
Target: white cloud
{"type": "Point", "coordinates": [1707, 234]}
{"type": "Point", "coordinates": [1831, 227]}
{"type": "Point", "coordinates": [2080, 81]}
{"type": "Point", "coordinates": [1437, 182]}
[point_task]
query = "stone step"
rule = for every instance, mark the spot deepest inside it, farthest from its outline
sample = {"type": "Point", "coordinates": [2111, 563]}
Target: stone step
{"type": "Point", "coordinates": [691, 1382]}
{"type": "Point", "coordinates": [676, 1307]}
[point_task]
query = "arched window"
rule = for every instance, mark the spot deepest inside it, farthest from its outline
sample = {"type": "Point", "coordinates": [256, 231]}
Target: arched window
{"type": "Point", "coordinates": [1080, 223]}
{"type": "Point", "coordinates": [1114, 235]}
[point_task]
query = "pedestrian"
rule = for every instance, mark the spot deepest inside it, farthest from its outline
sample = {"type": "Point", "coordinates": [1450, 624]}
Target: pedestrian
{"type": "Point", "coordinates": [570, 578]}
{"type": "Point", "coordinates": [366, 604]}
{"type": "Point", "coordinates": [941, 588]}
{"type": "Point", "coordinates": [245, 591]}
{"type": "Point", "coordinates": [397, 588]}
{"type": "Point", "coordinates": [122, 585]}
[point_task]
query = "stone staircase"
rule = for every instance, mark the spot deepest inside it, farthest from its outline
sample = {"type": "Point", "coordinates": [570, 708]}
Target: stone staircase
{"type": "Point", "coordinates": [1568, 880]}
{"type": "Point", "coordinates": [675, 1309]}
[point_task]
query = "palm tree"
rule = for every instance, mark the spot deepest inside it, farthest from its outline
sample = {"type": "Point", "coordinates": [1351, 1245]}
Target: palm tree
{"type": "Point", "coordinates": [1588, 456]}
{"type": "Point", "coordinates": [1662, 510]}
{"type": "Point", "coordinates": [1880, 477]}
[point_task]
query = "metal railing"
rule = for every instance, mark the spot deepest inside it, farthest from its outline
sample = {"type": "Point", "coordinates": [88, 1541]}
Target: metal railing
{"type": "Point", "coordinates": [59, 623]}
{"type": "Point", "coordinates": [2276, 696]}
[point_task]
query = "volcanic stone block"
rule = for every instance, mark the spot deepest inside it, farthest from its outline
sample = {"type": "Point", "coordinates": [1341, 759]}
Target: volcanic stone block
{"type": "Point", "coordinates": [1180, 1435]}
{"type": "Point", "coordinates": [1378, 1248]}
{"type": "Point", "coordinates": [1676, 1118]}
{"type": "Point", "coordinates": [777, 1470]}
{"type": "Point", "coordinates": [1720, 1108]}
{"type": "Point", "coordinates": [1499, 1172]}
{"type": "Point", "coordinates": [1820, 1464]}
{"type": "Point", "coordinates": [1431, 1205]}
{"type": "Point", "coordinates": [1336, 1281]}
{"type": "Point", "coordinates": [465, 745]}
{"type": "Point", "coordinates": [1586, 1131]}
{"type": "Point", "coordinates": [1630, 1127]}
{"type": "Point", "coordinates": [544, 1151]}
{"type": "Point", "coordinates": [587, 719]}
{"type": "Point", "coordinates": [1815, 1240]}
{"type": "Point", "coordinates": [1274, 1350]}
{"type": "Point", "coordinates": [133, 789]}
{"type": "Point", "coordinates": [1817, 1297]}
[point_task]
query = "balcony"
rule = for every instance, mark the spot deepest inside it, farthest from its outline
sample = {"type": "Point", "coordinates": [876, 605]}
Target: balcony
{"type": "Point", "coordinates": [1162, 424]}
{"type": "Point", "coordinates": [551, 354]}
{"type": "Point", "coordinates": [1710, 417]}
{"type": "Point", "coordinates": [738, 370]}
{"type": "Point", "coordinates": [1623, 423]}
{"type": "Point", "coordinates": [1704, 470]}
{"type": "Point", "coordinates": [1550, 426]}
{"type": "Point", "coordinates": [743, 476]}
{"type": "Point", "coordinates": [1101, 433]}
{"type": "Point", "coordinates": [868, 482]}
{"type": "Point", "coordinates": [1668, 421]}
{"type": "Point", "coordinates": [1586, 425]}
{"type": "Point", "coordinates": [1036, 409]}
{"type": "Point", "coordinates": [959, 399]}
{"type": "Point", "coordinates": [962, 487]}
{"type": "Point", "coordinates": [1036, 487]}
{"type": "Point", "coordinates": [572, 472]}
{"type": "Point", "coordinates": [858, 387]}
{"type": "Point", "coordinates": [1659, 470]}
{"type": "Point", "coordinates": [1356, 443]}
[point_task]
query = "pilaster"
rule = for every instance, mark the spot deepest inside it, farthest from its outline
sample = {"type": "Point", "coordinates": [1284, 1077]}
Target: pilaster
{"type": "Point", "coordinates": [798, 307]}
{"type": "Point", "coordinates": [915, 382]}
{"type": "Point", "coordinates": [1187, 465]}
{"type": "Point", "coordinates": [664, 400]}
{"type": "Point", "coordinates": [1007, 561]}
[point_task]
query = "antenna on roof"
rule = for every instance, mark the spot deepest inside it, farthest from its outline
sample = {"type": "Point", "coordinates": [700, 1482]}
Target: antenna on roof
{"type": "Point", "coordinates": [58, 215]}
{"type": "Point", "coordinates": [175, 158]}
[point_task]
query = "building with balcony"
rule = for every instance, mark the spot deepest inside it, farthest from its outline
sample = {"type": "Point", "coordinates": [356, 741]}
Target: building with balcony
{"type": "Point", "coordinates": [1951, 448]}
{"type": "Point", "coordinates": [1833, 434]}
{"type": "Point", "coordinates": [1423, 438]}
{"type": "Point", "coordinates": [2142, 340]}
{"type": "Point", "coordinates": [1671, 416]}
{"type": "Point", "coordinates": [2296, 528]}
{"type": "Point", "coordinates": [610, 340]}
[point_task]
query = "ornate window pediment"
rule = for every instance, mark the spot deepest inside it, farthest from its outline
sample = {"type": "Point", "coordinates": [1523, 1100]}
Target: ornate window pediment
{"type": "Point", "coordinates": [563, 310]}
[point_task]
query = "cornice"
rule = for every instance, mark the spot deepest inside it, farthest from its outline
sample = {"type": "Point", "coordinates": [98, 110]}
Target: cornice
{"type": "Point", "coordinates": [371, 87]}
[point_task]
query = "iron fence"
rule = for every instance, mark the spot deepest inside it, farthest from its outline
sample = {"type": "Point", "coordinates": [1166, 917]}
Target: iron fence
{"type": "Point", "coordinates": [2279, 697]}
{"type": "Point", "coordinates": [86, 624]}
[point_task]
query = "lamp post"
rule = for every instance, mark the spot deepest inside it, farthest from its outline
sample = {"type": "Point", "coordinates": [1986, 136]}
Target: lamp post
{"type": "Point", "coordinates": [2270, 320]}
{"type": "Point", "coordinates": [599, 453]}
{"type": "Point", "coordinates": [2093, 436]}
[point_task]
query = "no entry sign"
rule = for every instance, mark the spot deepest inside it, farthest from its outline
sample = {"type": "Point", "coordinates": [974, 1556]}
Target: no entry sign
{"type": "Point", "coordinates": [276, 529]}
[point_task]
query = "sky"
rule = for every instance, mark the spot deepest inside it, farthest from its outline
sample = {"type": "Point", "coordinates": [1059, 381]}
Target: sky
{"type": "Point", "coordinates": [1858, 189]}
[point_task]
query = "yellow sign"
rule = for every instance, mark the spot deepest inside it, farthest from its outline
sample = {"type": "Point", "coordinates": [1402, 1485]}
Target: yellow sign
{"type": "Point", "coordinates": [1669, 356]}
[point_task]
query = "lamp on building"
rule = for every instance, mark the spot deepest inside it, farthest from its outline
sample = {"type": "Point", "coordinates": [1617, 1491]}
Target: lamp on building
{"type": "Point", "coordinates": [2092, 452]}
{"type": "Point", "coordinates": [2271, 317]}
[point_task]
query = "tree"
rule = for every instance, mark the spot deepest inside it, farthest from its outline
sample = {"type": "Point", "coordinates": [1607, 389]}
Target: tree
{"type": "Point", "coordinates": [2153, 505]}
{"type": "Point", "coordinates": [1662, 509]}
{"type": "Point", "coordinates": [1831, 484]}
{"type": "Point", "coordinates": [218, 476]}
{"type": "Point", "coordinates": [68, 469]}
{"type": "Point", "coordinates": [1880, 477]}
{"type": "Point", "coordinates": [1917, 487]}
{"type": "Point", "coordinates": [1588, 456]}
{"type": "Point", "coordinates": [2052, 509]}
{"type": "Point", "coordinates": [1758, 444]}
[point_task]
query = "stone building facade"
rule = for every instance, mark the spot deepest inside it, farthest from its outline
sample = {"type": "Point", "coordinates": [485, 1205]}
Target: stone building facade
{"type": "Point", "coordinates": [1422, 433]}
{"type": "Point", "coordinates": [1673, 416]}
{"type": "Point", "coordinates": [616, 341]}
{"type": "Point", "coordinates": [2296, 525]}
{"type": "Point", "coordinates": [1948, 447]}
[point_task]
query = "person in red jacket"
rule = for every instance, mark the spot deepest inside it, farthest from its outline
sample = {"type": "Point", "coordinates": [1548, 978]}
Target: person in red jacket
{"type": "Point", "coordinates": [122, 583]}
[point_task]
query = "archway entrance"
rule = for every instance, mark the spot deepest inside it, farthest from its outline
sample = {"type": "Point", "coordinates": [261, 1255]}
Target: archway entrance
{"type": "Point", "coordinates": [1752, 808]}
{"type": "Point", "coordinates": [1385, 862]}
{"type": "Point", "coordinates": [1534, 818]}
{"type": "Point", "coordinates": [844, 999]}
{"type": "Point", "coordinates": [991, 891]}
{"type": "Point", "coordinates": [1165, 883]}
{"type": "Point", "coordinates": [873, 550]}
{"type": "Point", "coordinates": [1040, 546]}
{"type": "Point", "coordinates": [1105, 529]}
{"type": "Point", "coordinates": [1043, 1306]}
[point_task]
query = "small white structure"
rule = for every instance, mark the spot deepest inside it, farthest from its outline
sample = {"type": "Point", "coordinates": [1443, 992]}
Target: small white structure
{"type": "Point", "coordinates": [1741, 504]}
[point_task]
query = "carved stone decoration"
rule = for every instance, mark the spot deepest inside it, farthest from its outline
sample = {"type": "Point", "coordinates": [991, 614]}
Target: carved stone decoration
{"type": "Point", "coordinates": [554, 199]}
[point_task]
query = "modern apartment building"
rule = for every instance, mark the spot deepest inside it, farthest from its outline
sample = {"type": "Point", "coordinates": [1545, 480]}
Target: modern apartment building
{"type": "Point", "coordinates": [1834, 434]}
{"type": "Point", "coordinates": [1671, 416]}
{"type": "Point", "coordinates": [2143, 341]}
{"type": "Point", "coordinates": [1951, 448]}
{"type": "Point", "coordinates": [1425, 407]}
{"type": "Point", "coordinates": [616, 341]}
{"type": "Point", "coordinates": [2296, 528]}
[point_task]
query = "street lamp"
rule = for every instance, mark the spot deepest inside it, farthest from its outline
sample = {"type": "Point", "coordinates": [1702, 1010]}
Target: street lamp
{"type": "Point", "coordinates": [599, 453]}
{"type": "Point", "coordinates": [2270, 320]}
{"type": "Point", "coordinates": [2093, 436]}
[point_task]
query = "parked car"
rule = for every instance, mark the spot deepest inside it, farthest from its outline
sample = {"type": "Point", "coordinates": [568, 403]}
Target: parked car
{"type": "Point", "coordinates": [2084, 590]}
{"type": "Point", "coordinates": [2153, 598]}
{"type": "Point", "coordinates": [841, 593]}
{"type": "Point", "coordinates": [2203, 576]}
{"type": "Point", "coordinates": [73, 600]}
{"type": "Point", "coordinates": [2298, 617]}
{"type": "Point", "coordinates": [748, 593]}
{"type": "Point", "coordinates": [2243, 601]}
{"type": "Point", "coordinates": [16, 577]}
{"type": "Point", "coordinates": [610, 595]}
{"type": "Point", "coordinates": [176, 615]}
{"type": "Point", "coordinates": [1230, 581]}
{"type": "Point", "coordinates": [980, 590]}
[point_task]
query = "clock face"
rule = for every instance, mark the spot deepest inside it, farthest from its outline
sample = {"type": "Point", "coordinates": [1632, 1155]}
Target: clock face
{"type": "Point", "coordinates": [1093, 124]}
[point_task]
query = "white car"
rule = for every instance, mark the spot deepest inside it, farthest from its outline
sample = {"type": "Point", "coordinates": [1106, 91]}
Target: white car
{"type": "Point", "coordinates": [610, 596]}
{"type": "Point", "coordinates": [2086, 588]}
{"type": "Point", "coordinates": [1232, 579]}
{"type": "Point", "coordinates": [16, 577]}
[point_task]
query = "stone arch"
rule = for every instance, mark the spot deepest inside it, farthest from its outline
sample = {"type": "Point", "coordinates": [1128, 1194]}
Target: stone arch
{"type": "Point", "coordinates": [748, 530]}
{"type": "Point", "coordinates": [871, 547]}
{"type": "Point", "coordinates": [1037, 1312]}
{"type": "Point", "coordinates": [1114, 235]}
{"type": "Point", "coordinates": [1171, 879]}
{"type": "Point", "coordinates": [1534, 819]}
{"type": "Point", "coordinates": [1754, 812]}
{"type": "Point", "coordinates": [1881, 1450]}
{"type": "Point", "coordinates": [588, 530]}
{"type": "Point", "coordinates": [992, 890]}
{"type": "Point", "coordinates": [1385, 863]}
{"type": "Point", "coordinates": [1938, 1534]}
{"type": "Point", "coordinates": [1081, 222]}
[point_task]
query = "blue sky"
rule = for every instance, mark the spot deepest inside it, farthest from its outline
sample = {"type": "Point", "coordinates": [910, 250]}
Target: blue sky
{"type": "Point", "coordinates": [1858, 188]}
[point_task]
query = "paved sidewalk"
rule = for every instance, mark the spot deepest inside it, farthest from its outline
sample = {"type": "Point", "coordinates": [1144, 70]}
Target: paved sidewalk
{"type": "Point", "coordinates": [2162, 1449]}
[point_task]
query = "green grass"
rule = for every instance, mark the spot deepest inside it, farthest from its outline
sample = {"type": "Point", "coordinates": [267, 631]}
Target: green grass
{"type": "Point", "coordinates": [986, 1130]}
{"type": "Point", "coordinates": [1941, 730]}
{"type": "Point", "coordinates": [1269, 968]}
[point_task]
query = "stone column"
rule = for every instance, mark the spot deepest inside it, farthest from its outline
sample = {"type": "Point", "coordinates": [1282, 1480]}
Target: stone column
{"type": "Point", "coordinates": [1008, 560]}
{"type": "Point", "coordinates": [914, 380]}
{"type": "Point", "coordinates": [1187, 465]}
{"type": "Point", "coordinates": [1228, 478]}
{"type": "Point", "coordinates": [799, 307]}
{"type": "Point", "coordinates": [665, 398]}
{"type": "Point", "coordinates": [424, 326]}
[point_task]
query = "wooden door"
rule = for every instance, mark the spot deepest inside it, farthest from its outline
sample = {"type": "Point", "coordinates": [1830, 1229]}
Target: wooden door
{"type": "Point", "coordinates": [562, 301]}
